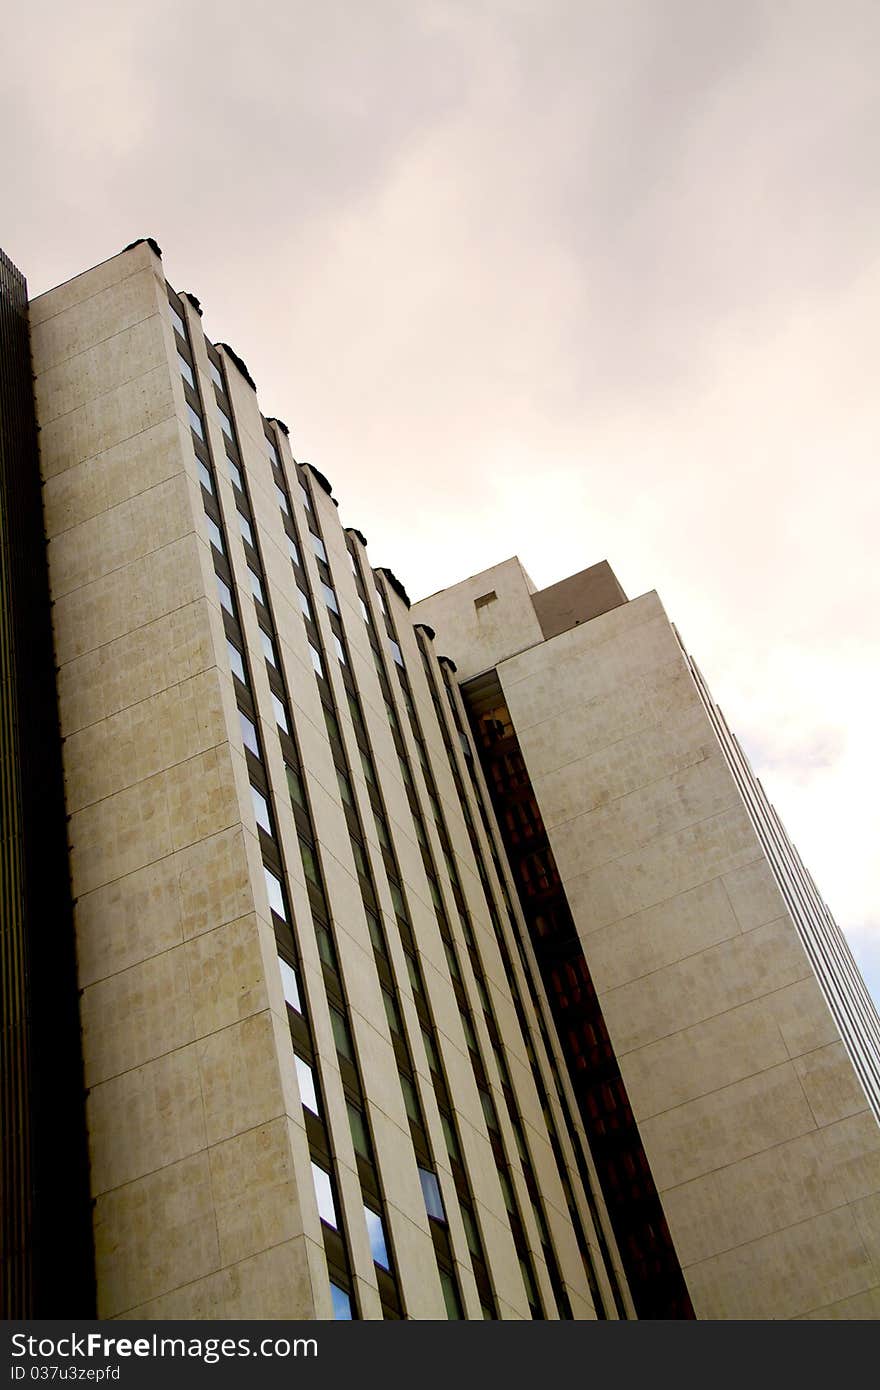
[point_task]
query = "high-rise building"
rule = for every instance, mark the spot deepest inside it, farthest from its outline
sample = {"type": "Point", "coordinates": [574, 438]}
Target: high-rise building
{"type": "Point", "coordinates": [371, 960]}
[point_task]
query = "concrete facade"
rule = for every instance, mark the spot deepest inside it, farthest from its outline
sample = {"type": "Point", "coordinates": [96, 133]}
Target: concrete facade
{"type": "Point", "coordinates": [760, 1136]}
{"type": "Point", "coordinates": [200, 578]}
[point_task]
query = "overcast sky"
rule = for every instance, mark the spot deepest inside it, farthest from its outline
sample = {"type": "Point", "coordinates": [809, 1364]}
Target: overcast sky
{"type": "Point", "coordinates": [571, 281]}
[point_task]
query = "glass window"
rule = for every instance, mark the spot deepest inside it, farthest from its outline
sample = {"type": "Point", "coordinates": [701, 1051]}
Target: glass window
{"type": "Point", "coordinates": [341, 1034]}
{"type": "Point", "coordinates": [410, 1099]}
{"type": "Point", "coordinates": [185, 370]}
{"type": "Point", "coordinates": [316, 660]}
{"type": "Point", "coordinates": [249, 734]}
{"type": "Point", "coordinates": [392, 1014]}
{"type": "Point", "coordinates": [216, 374]}
{"type": "Point", "coordinates": [272, 451]}
{"type": "Point", "coordinates": [225, 595]}
{"type": "Point", "coordinates": [358, 1126]}
{"type": "Point", "coordinates": [275, 892]}
{"type": "Point", "coordinates": [365, 610]}
{"type": "Point", "coordinates": [306, 1079]}
{"type": "Point", "coordinates": [431, 1194]}
{"type": "Point", "coordinates": [256, 587]}
{"type": "Point", "coordinates": [395, 651]}
{"type": "Point", "coordinates": [341, 1303]}
{"type": "Point", "coordinates": [306, 499]}
{"type": "Point", "coordinates": [324, 1194]}
{"type": "Point", "coordinates": [293, 552]}
{"type": "Point", "coordinates": [294, 786]}
{"type": "Point", "coordinates": [310, 866]}
{"type": "Point", "coordinates": [318, 547]}
{"type": "Point", "coordinates": [340, 650]}
{"type": "Point", "coordinates": [381, 598]}
{"type": "Point", "coordinates": [280, 713]}
{"type": "Point", "coordinates": [205, 477]}
{"type": "Point", "coordinates": [214, 533]}
{"type": "Point", "coordinates": [261, 810]}
{"type": "Point", "coordinates": [290, 985]}
{"type": "Point", "coordinates": [236, 662]}
{"type": "Point", "coordinates": [268, 649]}
{"type": "Point", "coordinates": [360, 858]}
{"type": "Point", "coordinates": [376, 1232]}
{"type": "Point", "coordinates": [234, 474]}
{"type": "Point", "coordinates": [305, 605]}
{"type": "Point", "coordinates": [225, 422]}
{"type": "Point", "coordinates": [449, 1135]}
{"type": "Point", "coordinates": [177, 321]}
{"type": "Point", "coordinates": [195, 421]}
{"type": "Point", "coordinates": [344, 788]}
{"type": "Point", "coordinates": [282, 499]}
{"type": "Point", "coordinates": [329, 597]}
{"type": "Point", "coordinates": [450, 1295]}
{"type": "Point", "coordinates": [367, 765]}
{"type": "Point", "coordinates": [244, 527]}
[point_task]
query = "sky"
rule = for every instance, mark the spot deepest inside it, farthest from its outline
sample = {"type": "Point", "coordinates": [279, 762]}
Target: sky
{"type": "Point", "coordinates": [573, 281]}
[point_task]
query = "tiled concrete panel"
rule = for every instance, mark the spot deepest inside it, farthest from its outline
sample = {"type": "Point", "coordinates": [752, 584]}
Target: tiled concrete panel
{"type": "Point", "coordinates": [785, 1274]}
{"type": "Point", "coordinates": [743, 1118]}
{"type": "Point", "coordinates": [172, 899]}
{"type": "Point", "coordinates": [704, 1057]}
{"type": "Point", "coordinates": [87, 489]}
{"type": "Point", "coordinates": [255, 1193]}
{"type": "Point", "coordinates": [686, 925]}
{"type": "Point", "coordinates": [97, 321]}
{"type": "Point", "coordinates": [722, 977]}
{"type": "Point", "coordinates": [135, 1261]}
{"type": "Point", "coordinates": [287, 1281]}
{"type": "Point", "coordinates": [107, 421]}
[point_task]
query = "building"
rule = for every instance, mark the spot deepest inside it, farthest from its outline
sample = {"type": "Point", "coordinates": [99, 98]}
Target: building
{"type": "Point", "coordinates": [433, 961]}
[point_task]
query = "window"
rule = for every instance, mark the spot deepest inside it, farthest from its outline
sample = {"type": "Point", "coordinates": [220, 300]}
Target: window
{"type": "Point", "coordinates": [249, 734]}
{"type": "Point", "coordinates": [306, 1079]}
{"type": "Point", "coordinates": [282, 500]}
{"type": "Point", "coordinates": [216, 374]}
{"type": "Point", "coordinates": [344, 787]}
{"type": "Point", "coordinates": [225, 595]}
{"type": "Point", "coordinates": [269, 649]}
{"type": "Point", "coordinates": [275, 892]}
{"type": "Point", "coordinates": [324, 1194]}
{"type": "Point", "coordinates": [256, 587]}
{"type": "Point", "coordinates": [485, 598]}
{"type": "Point", "coordinates": [450, 1295]}
{"type": "Point", "coordinates": [316, 660]}
{"type": "Point", "coordinates": [341, 1303]}
{"type": "Point", "coordinates": [236, 662]}
{"type": "Point", "coordinates": [177, 321]}
{"type": "Point", "coordinates": [305, 605]}
{"type": "Point", "coordinates": [225, 422]}
{"type": "Point", "coordinates": [195, 421]}
{"type": "Point", "coordinates": [290, 985]}
{"type": "Point", "coordinates": [431, 1194]}
{"type": "Point", "coordinates": [365, 610]}
{"type": "Point", "coordinates": [272, 452]}
{"type": "Point", "coordinates": [234, 474]}
{"type": "Point", "coordinates": [329, 597]}
{"type": "Point", "coordinates": [358, 1127]}
{"type": "Point", "coordinates": [185, 370]}
{"type": "Point", "coordinates": [205, 477]}
{"type": "Point", "coordinates": [376, 1232]}
{"type": "Point", "coordinates": [244, 527]}
{"type": "Point", "coordinates": [309, 863]}
{"type": "Point", "coordinates": [293, 552]}
{"type": "Point", "coordinates": [214, 533]}
{"type": "Point", "coordinates": [395, 651]}
{"type": "Point", "coordinates": [318, 547]}
{"type": "Point", "coordinates": [261, 810]}
{"type": "Point", "coordinates": [381, 598]}
{"type": "Point", "coordinates": [306, 499]}
{"type": "Point", "coordinates": [340, 650]}
{"type": "Point", "coordinates": [280, 713]}
{"type": "Point", "coordinates": [342, 1035]}
{"type": "Point", "coordinates": [294, 786]}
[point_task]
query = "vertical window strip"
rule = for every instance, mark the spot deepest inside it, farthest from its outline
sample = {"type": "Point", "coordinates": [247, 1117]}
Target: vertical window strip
{"type": "Point", "coordinates": [552, 1067]}
{"type": "Point", "coordinates": [477, 1059]}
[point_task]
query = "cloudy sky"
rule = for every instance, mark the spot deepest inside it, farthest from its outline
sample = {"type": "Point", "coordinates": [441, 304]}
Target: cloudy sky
{"type": "Point", "coordinates": [571, 280]}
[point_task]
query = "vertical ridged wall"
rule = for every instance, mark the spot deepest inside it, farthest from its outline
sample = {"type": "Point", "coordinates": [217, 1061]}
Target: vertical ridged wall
{"type": "Point", "coordinates": [45, 1204]}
